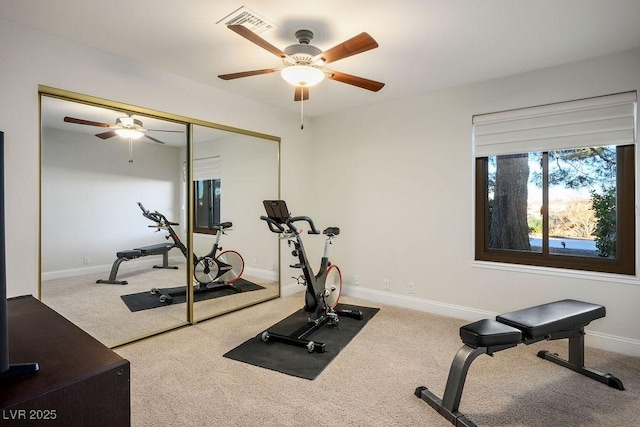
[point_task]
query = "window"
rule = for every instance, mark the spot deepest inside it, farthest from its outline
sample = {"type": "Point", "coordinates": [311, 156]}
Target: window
{"type": "Point", "coordinates": [206, 190]}
{"type": "Point", "coordinates": [555, 185]}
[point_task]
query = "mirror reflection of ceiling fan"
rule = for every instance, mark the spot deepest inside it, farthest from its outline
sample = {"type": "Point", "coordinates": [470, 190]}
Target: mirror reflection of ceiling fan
{"type": "Point", "coordinates": [303, 63]}
{"type": "Point", "coordinates": [125, 127]}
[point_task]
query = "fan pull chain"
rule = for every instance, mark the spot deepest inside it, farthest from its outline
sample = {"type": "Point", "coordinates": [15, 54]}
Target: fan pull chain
{"type": "Point", "coordinates": [302, 108]}
{"type": "Point", "coordinates": [130, 151]}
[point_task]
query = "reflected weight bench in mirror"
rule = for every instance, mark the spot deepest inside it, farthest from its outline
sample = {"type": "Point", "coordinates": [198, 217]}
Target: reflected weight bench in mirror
{"type": "Point", "coordinates": [121, 256]}
{"type": "Point", "coordinates": [552, 321]}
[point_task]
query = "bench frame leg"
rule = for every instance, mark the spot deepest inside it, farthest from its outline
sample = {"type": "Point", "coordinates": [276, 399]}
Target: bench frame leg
{"type": "Point", "coordinates": [114, 272]}
{"type": "Point", "coordinates": [576, 360]}
{"type": "Point", "coordinates": [116, 265]}
{"type": "Point", "coordinates": [165, 262]}
{"type": "Point", "coordinates": [450, 402]}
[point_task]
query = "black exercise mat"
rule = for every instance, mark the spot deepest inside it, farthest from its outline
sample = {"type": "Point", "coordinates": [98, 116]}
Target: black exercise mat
{"type": "Point", "coordinates": [296, 361]}
{"type": "Point", "coordinates": [147, 300]}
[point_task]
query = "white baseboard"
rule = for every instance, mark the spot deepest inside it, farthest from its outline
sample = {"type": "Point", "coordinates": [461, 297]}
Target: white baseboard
{"type": "Point", "coordinates": [613, 343]}
{"type": "Point", "coordinates": [144, 262]}
{"type": "Point", "coordinates": [599, 340]}
{"type": "Point", "coordinates": [406, 301]}
{"type": "Point", "coordinates": [290, 289]}
{"type": "Point", "coordinates": [260, 274]}
{"type": "Point", "coordinates": [62, 274]}
{"type": "Point", "coordinates": [105, 269]}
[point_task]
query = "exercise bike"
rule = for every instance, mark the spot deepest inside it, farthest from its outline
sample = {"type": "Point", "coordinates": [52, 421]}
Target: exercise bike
{"type": "Point", "coordinates": [322, 289]}
{"type": "Point", "coordinates": [211, 272]}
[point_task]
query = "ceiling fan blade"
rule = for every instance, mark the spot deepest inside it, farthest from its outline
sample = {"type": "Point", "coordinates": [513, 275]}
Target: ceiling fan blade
{"type": "Point", "coordinates": [247, 73]}
{"type": "Point", "coordinates": [86, 122]}
{"type": "Point", "coordinates": [358, 44]}
{"type": "Point", "coordinates": [302, 93]}
{"type": "Point", "coordinates": [153, 139]}
{"type": "Point", "coordinates": [107, 135]}
{"type": "Point", "coordinates": [253, 37]}
{"type": "Point", "coordinates": [162, 130]}
{"type": "Point", "coordinates": [371, 85]}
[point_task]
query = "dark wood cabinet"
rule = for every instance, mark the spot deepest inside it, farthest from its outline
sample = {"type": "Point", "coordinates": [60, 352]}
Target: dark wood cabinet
{"type": "Point", "coordinates": [81, 382]}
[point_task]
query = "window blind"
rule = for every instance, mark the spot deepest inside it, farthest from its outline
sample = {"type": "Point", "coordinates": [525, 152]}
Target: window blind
{"type": "Point", "coordinates": [207, 168]}
{"type": "Point", "coordinates": [592, 122]}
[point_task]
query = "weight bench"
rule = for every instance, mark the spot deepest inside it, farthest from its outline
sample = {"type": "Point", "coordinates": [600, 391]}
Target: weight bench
{"type": "Point", "coordinates": [158, 249]}
{"type": "Point", "coordinates": [552, 321]}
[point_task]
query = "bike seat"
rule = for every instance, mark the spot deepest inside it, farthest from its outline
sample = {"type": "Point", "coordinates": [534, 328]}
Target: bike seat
{"type": "Point", "coordinates": [331, 231]}
{"type": "Point", "coordinates": [222, 226]}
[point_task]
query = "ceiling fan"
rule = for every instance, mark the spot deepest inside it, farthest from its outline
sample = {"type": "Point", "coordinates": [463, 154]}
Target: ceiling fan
{"type": "Point", "coordinates": [303, 63]}
{"type": "Point", "coordinates": [126, 127]}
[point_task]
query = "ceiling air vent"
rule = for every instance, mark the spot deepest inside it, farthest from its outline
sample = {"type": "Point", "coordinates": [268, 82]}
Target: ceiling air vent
{"type": "Point", "coordinates": [249, 19]}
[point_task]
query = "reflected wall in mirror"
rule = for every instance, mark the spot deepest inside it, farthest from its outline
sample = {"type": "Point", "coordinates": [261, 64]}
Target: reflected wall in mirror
{"type": "Point", "coordinates": [92, 228]}
{"type": "Point", "coordinates": [232, 174]}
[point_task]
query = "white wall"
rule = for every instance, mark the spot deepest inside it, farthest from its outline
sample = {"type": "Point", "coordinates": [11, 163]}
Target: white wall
{"type": "Point", "coordinates": [89, 199]}
{"type": "Point", "coordinates": [31, 58]}
{"type": "Point", "coordinates": [397, 179]}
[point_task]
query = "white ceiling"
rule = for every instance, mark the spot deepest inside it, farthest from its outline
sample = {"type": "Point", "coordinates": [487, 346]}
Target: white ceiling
{"type": "Point", "coordinates": [424, 45]}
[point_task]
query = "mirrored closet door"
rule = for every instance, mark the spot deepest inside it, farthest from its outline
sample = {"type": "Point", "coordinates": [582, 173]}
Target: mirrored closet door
{"type": "Point", "coordinates": [130, 197]}
{"type": "Point", "coordinates": [232, 173]}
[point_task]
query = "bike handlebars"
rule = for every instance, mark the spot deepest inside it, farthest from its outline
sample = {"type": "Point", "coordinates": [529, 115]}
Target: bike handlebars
{"type": "Point", "coordinates": [273, 225]}
{"type": "Point", "coordinates": [277, 227]}
{"type": "Point", "coordinates": [144, 211]}
{"type": "Point", "coordinates": [155, 216]}
{"type": "Point", "coordinates": [309, 220]}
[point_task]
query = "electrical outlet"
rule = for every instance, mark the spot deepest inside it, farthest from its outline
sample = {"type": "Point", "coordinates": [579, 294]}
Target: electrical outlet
{"type": "Point", "coordinates": [387, 285]}
{"type": "Point", "coordinates": [86, 260]}
{"type": "Point", "coordinates": [255, 262]}
{"type": "Point", "coordinates": [356, 280]}
{"type": "Point", "coordinates": [411, 288]}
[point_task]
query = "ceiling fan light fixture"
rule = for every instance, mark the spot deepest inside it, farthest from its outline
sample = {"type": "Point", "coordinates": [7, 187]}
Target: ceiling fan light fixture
{"type": "Point", "coordinates": [129, 133]}
{"type": "Point", "coordinates": [302, 75]}
{"type": "Point", "coordinates": [131, 128]}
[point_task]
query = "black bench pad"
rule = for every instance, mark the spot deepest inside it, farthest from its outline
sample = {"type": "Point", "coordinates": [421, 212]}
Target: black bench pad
{"type": "Point", "coordinates": [539, 321]}
{"type": "Point", "coordinates": [129, 254]}
{"type": "Point", "coordinates": [489, 333]}
{"type": "Point", "coordinates": [157, 249]}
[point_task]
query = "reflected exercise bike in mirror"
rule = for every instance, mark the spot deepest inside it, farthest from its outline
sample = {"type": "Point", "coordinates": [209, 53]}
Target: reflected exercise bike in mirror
{"type": "Point", "coordinates": [323, 289]}
{"type": "Point", "coordinates": [211, 272]}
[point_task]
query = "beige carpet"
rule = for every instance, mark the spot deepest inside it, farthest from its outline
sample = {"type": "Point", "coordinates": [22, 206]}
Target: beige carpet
{"type": "Point", "coordinates": [181, 379]}
{"type": "Point", "coordinates": [98, 309]}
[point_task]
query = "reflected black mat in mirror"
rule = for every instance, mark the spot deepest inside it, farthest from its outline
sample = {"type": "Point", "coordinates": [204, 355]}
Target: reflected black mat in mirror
{"type": "Point", "coordinates": [147, 300]}
{"type": "Point", "coordinates": [297, 361]}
